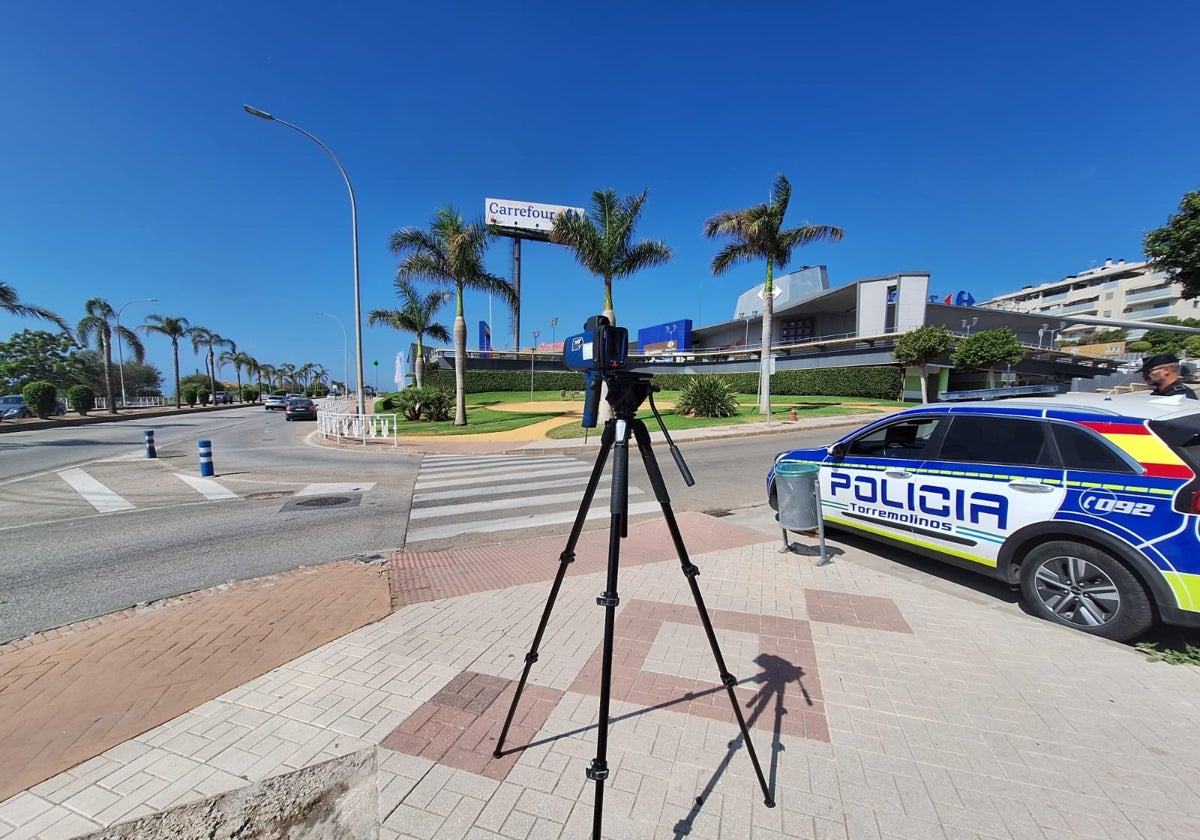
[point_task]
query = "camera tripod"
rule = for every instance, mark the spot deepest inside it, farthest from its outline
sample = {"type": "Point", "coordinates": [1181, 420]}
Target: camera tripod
{"type": "Point", "coordinates": [627, 391]}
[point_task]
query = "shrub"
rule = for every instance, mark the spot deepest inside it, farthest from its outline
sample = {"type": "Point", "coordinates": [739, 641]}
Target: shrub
{"type": "Point", "coordinates": [81, 398]}
{"type": "Point", "coordinates": [201, 396]}
{"type": "Point", "coordinates": [249, 393]}
{"type": "Point", "coordinates": [432, 405]}
{"type": "Point", "coordinates": [40, 398]}
{"type": "Point", "coordinates": [189, 396]}
{"type": "Point", "coordinates": [706, 396]}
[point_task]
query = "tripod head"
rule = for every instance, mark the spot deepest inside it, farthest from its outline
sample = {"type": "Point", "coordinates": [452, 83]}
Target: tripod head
{"type": "Point", "coordinates": [626, 393]}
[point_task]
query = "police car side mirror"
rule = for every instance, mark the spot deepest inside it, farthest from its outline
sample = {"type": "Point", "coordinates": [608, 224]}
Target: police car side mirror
{"type": "Point", "coordinates": [836, 450]}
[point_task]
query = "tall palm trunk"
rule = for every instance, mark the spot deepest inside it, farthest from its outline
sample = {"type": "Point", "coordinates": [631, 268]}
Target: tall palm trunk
{"type": "Point", "coordinates": [419, 364]}
{"type": "Point", "coordinates": [460, 368]}
{"type": "Point", "coordinates": [764, 355]}
{"type": "Point", "coordinates": [175, 351]}
{"type": "Point", "coordinates": [108, 391]}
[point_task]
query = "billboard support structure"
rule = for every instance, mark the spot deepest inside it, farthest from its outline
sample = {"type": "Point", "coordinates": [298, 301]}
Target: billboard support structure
{"type": "Point", "coordinates": [519, 220]}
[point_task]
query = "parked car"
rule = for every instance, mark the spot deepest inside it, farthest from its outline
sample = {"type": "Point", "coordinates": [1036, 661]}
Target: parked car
{"type": "Point", "coordinates": [1090, 503]}
{"type": "Point", "coordinates": [300, 408]}
{"type": "Point", "coordinates": [275, 402]}
{"type": "Point", "coordinates": [222, 398]}
{"type": "Point", "coordinates": [12, 407]}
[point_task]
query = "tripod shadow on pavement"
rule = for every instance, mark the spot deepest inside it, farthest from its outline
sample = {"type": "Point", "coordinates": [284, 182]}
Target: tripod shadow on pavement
{"type": "Point", "coordinates": [774, 677]}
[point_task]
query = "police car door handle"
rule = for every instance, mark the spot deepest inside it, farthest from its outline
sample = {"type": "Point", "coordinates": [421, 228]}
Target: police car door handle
{"type": "Point", "coordinates": [1031, 486]}
{"type": "Point", "coordinates": [897, 473]}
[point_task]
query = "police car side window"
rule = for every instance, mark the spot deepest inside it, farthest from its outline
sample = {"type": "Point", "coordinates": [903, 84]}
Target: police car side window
{"type": "Point", "coordinates": [904, 439]}
{"type": "Point", "coordinates": [1081, 450]}
{"type": "Point", "coordinates": [983, 439]}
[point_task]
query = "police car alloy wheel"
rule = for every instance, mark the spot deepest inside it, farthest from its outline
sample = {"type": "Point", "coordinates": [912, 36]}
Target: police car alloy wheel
{"type": "Point", "coordinates": [1084, 588]}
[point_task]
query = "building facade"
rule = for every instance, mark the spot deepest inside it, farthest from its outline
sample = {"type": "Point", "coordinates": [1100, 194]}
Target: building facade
{"type": "Point", "coordinates": [1118, 290]}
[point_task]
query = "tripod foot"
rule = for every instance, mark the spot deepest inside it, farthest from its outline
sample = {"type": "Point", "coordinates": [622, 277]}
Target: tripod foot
{"type": "Point", "coordinates": [769, 802]}
{"type": "Point", "coordinates": [497, 754]}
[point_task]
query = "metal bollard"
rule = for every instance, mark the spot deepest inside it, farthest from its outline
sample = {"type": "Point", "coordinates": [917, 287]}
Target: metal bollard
{"type": "Point", "coordinates": [150, 451]}
{"type": "Point", "coordinates": [206, 459]}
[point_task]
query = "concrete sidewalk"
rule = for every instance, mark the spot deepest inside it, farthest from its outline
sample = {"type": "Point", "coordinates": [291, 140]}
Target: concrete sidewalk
{"type": "Point", "coordinates": [880, 707]}
{"type": "Point", "coordinates": [882, 703]}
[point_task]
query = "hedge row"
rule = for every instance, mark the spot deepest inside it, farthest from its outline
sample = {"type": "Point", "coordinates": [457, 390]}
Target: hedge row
{"type": "Point", "coordinates": [875, 382]}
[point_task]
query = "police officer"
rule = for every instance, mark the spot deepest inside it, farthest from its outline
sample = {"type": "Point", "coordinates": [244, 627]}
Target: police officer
{"type": "Point", "coordinates": [1162, 375]}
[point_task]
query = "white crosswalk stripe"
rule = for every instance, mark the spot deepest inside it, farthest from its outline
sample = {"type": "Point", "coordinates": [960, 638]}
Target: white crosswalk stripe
{"type": "Point", "coordinates": [93, 492]}
{"type": "Point", "coordinates": [457, 495]}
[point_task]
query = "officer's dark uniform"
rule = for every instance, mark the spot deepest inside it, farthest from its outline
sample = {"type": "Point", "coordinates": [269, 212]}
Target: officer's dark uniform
{"type": "Point", "coordinates": [1176, 387]}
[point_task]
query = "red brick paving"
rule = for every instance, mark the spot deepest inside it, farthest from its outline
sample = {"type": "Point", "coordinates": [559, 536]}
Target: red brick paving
{"type": "Point", "coordinates": [460, 724]}
{"type": "Point", "coordinates": [431, 575]}
{"type": "Point", "coordinates": [70, 694]}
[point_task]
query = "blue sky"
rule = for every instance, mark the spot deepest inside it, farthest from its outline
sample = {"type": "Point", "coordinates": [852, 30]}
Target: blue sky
{"type": "Point", "coordinates": [994, 145]}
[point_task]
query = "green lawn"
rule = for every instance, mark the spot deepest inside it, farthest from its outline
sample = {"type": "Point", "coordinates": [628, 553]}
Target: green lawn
{"type": "Point", "coordinates": [805, 407]}
{"type": "Point", "coordinates": [481, 419]}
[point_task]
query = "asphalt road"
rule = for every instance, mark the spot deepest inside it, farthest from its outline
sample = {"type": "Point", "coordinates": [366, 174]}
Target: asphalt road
{"type": "Point", "coordinates": [63, 560]}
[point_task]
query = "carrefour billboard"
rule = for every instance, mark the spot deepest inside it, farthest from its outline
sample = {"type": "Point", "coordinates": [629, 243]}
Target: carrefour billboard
{"type": "Point", "coordinates": [524, 215]}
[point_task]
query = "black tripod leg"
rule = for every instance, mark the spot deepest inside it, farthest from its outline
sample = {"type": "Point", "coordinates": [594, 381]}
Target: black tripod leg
{"type": "Point", "coordinates": [565, 559]}
{"type": "Point", "coordinates": [598, 771]}
{"type": "Point", "coordinates": [690, 571]}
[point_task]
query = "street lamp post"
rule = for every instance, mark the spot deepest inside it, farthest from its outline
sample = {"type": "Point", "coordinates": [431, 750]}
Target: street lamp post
{"type": "Point", "coordinates": [345, 355]}
{"type": "Point", "coordinates": [532, 355]}
{"type": "Point", "coordinates": [967, 326]}
{"type": "Point", "coordinates": [553, 324]}
{"type": "Point", "coordinates": [120, 353]}
{"type": "Point", "coordinates": [354, 233]}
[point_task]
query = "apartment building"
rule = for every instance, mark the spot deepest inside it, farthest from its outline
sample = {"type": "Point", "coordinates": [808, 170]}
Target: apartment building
{"type": "Point", "coordinates": [1122, 291]}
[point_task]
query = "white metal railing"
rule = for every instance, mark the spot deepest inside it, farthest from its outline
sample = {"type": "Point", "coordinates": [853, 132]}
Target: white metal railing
{"type": "Point", "coordinates": [365, 427]}
{"type": "Point", "coordinates": [137, 402]}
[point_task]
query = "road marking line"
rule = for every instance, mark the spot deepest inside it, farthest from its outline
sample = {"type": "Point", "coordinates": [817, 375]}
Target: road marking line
{"type": "Point", "coordinates": [94, 493]}
{"type": "Point", "coordinates": [502, 489]}
{"type": "Point", "coordinates": [335, 487]}
{"type": "Point", "coordinates": [498, 504]}
{"type": "Point", "coordinates": [207, 488]}
{"type": "Point", "coordinates": [493, 476]}
{"type": "Point", "coordinates": [533, 521]}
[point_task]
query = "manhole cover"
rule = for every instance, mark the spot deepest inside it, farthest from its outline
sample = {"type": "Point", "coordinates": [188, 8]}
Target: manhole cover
{"type": "Point", "coordinates": [323, 501]}
{"type": "Point", "coordinates": [268, 496]}
{"type": "Point", "coordinates": [718, 513]}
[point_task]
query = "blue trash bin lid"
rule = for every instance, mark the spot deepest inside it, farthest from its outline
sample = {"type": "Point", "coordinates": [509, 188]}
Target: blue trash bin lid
{"type": "Point", "coordinates": [787, 468]}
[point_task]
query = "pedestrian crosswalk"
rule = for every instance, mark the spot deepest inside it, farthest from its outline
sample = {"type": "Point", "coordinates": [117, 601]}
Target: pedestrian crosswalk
{"type": "Point", "coordinates": [121, 485]}
{"type": "Point", "coordinates": [458, 495]}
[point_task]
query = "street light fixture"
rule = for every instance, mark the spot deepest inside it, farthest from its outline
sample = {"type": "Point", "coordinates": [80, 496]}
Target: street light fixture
{"type": "Point", "coordinates": [120, 353]}
{"type": "Point", "coordinates": [345, 356]}
{"type": "Point", "coordinates": [354, 232]}
{"type": "Point", "coordinates": [532, 354]}
{"type": "Point", "coordinates": [967, 327]}
{"type": "Point", "coordinates": [553, 324]}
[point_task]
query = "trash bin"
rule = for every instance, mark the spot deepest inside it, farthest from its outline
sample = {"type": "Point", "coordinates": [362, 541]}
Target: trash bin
{"type": "Point", "coordinates": [796, 489]}
{"type": "Point", "coordinates": [798, 493]}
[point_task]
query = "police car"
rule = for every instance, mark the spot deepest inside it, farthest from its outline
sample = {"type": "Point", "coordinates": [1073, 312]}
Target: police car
{"type": "Point", "coordinates": [1091, 503]}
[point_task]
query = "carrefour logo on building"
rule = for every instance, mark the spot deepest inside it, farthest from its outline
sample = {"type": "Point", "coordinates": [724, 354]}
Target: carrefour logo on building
{"type": "Point", "coordinates": [525, 215]}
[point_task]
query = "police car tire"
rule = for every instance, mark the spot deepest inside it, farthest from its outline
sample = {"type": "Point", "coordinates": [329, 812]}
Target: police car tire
{"type": "Point", "coordinates": [1134, 615]}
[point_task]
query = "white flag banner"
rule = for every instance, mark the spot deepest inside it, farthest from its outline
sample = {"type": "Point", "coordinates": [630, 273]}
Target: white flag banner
{"type": "Point", "coordinates": [399, 376]}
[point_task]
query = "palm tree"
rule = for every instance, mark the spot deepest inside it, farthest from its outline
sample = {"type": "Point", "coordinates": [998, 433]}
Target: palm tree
{"type": "Point", "coordinates": [209, 340]}
{"type": "Point", "coordinates": [451, 253]}
{"type": "Point", "coordinates": [415, 315]}
{"type": "Point", "coordinates": [174, 329]}
{"type": "Point", "coordinates": [239, 360]}
{"type": "Point", "coordinates": [287, 376]}
{"type": "Point", "coordinates": [10, 302]}
{"type": "Point", "coordinates": [253, 371]}
{"type": "Point", "coordinates": [757, 233]}
{"type": "Point", "coordinates": [265, 372]}
{"type": "Point", "coordinates": [99, 324]}
{"type": "Point", "coordinates": [602, 240]}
